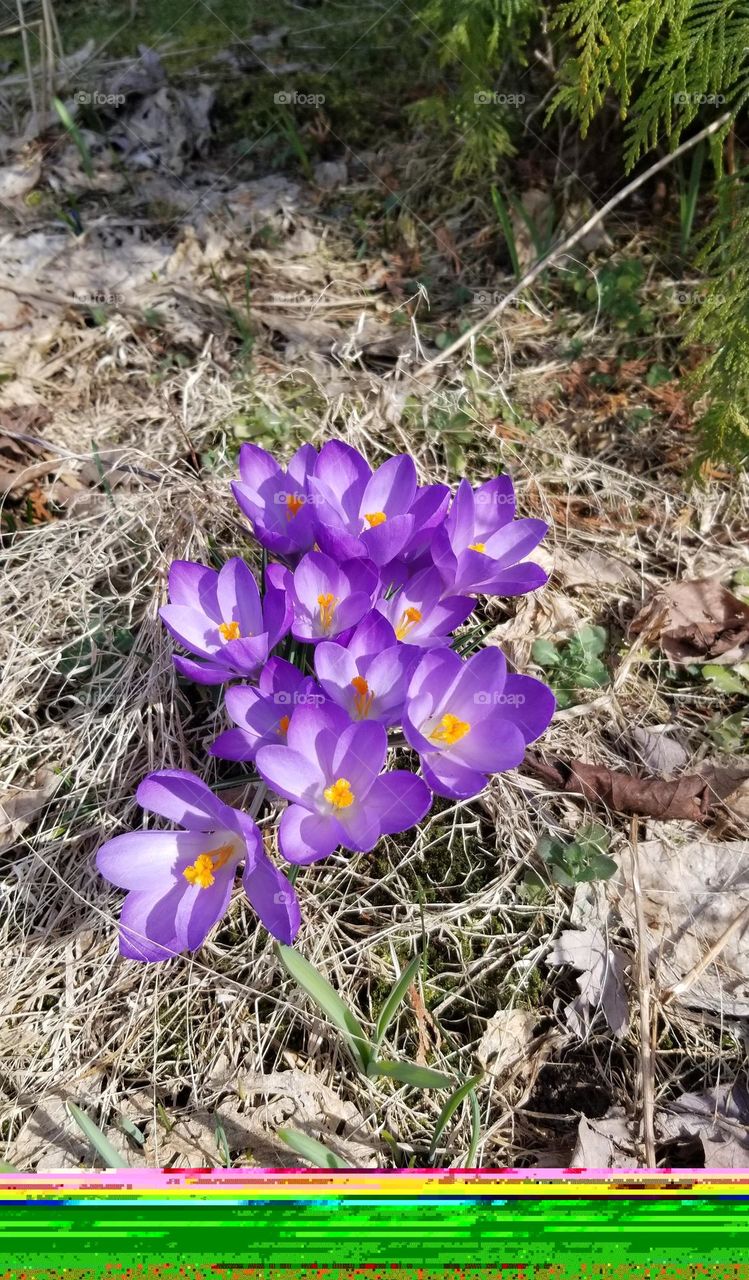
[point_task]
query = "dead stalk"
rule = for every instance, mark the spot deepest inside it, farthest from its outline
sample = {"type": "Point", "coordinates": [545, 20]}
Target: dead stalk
{"type": "Point", "coordinates": [643, 983]}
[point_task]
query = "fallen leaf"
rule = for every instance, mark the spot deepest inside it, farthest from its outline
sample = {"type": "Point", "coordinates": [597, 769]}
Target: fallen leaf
{"type": "Point", "coordinates": [691, 893]}
{"type": "Point", "coordinates": [593, 569]}
{"type": "Point", "coordinates": [601, 982]}
{"type": "Point", "coordinates": [692, 798]}
{"type": "Point", "coordinates": [719, 1118]}
{"type": "Point", "coordinates": [507, 1035]}
{"type": "Point", "coordinates": [695, 621]}
{"type": "Point", "coordinates": [604, 1144]}
{"type": "Point", "coordinates": [18, 809]}
{"type": "Point", "coordinates": [659, 751]}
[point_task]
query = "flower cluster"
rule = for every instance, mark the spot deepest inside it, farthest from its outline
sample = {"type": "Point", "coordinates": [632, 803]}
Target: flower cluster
{"type": "Point", "coordinates": [371, 576]}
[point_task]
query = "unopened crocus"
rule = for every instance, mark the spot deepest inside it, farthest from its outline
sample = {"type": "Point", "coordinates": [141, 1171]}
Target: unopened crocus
{"type": "Point", "coordinates": [331, 771]}
{"type": "Point", "coordinates": [468, 719]}
{"type": "Point", "coordinates": [329, 598]}
{"type": "Point", "coordinates": [421, 615]}
{"type": "Point", "coordinates": [179, 882]}
{"type": "Point", "coordinates": [480, 547]}
{"type": "Point", "coordinates": [361, 512]}
{"type": "Point", "coordinates": [262, 714]}
{"type": "Point", "coordinates": [368, 676]}
{"type": "Point", "coordinates": [275, 500]}
{"type": "Point", "coordinates": [219, 617]}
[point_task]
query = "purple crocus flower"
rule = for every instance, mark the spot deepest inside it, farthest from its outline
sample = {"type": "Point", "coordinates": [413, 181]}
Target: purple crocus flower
{"type": "Point", "coordinates": [180, 882]}
{"type": "Point", "coordinates": [277, 501]}
{"type": "Point", "coordinates": [330, 770]}
{"type": "Point", "coordinates": [369, 676]}
{"type": "Point", "coordinates": [262, 715]}
{"type": "Point", "coordinates": [361, 512]}
{"type": "Point", "coordinates": [420, 615]}
{"type": "Point", "coordinates": [219, 617]}
{"type": "Point", "coordinates": [329, 598]}
{"type": "Point", "coordinates": [481, 548]}
{"type": "Point", "coordinates": [470, 718]}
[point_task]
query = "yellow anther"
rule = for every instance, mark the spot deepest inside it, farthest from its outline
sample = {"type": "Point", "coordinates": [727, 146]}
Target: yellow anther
{"type": "Point", "coordinates": [374, 518]}
{"type": "Point", "coordinates": [327, 605]}
{"type": "Point", "coordinates": [476, 546]}
{"type": "Point", "coordinates": [450, 729]}
{"type": "Point", "coordinates": [364, 697]}
{"type": "Point", "coordinates": [229, 630]}
{"type": "Point", "coordinates": [294, 502]}
{"type": "Point", "coordinates": [408, 619]}
{"type": "Point", "coordinates": [202, 869]}
{"type": "Point", "coordinates": [283, 724]}
{"type": "Point", "coordinates": [340, 794]}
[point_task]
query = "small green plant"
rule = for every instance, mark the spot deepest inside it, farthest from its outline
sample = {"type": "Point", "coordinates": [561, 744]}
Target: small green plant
{"type": "Point", "coordinates": [616, 291]}
{"type": "Point", "coordinates": [77, 137]}
{"type": "Point", "coordinates": [579, 860]}
{"type": "Point", "coordinates": [575, 665]}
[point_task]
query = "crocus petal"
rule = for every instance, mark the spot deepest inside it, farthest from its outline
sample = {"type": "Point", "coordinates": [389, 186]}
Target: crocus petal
{"type": "Point", "coordinates": [337, 543]}
{"type": "Point", "coordinates": [399, 799]}
{"type": "Point", "coordinates": [515, 541]}
{"type": "Point", "coordinates": [180, 796]}
{"type": "Point", "coordinates": [359, 756]}
{"type": "Point", "coordinates": [513, 582]}
{"type": "Point", "coordinates": [491, 746]}
{"type": "Point", "coordinates": [196, 631]}
{"type": "Point", "coordinates": [147, 860]}
{"type": "Point", "coordinates": [345, 473]}
{"type": "Point", "coordinates": [447, 777]}
{"type": "Point", "coordinates": [235, 744]}
{"type": "Point", "coordinates": [373, 634]}
{"type": "Point", "coordinates": [273, 898]}
{"type": "Point", "coordinates": [200, 909]}
{"type": "Point", "coordinates": [529, 704]}
{"type": "Point", "coordinates": [194, 585]}
{"type": "Point", "coordinates": [147, 929]}
{"type": "Point", "coordinates": [305, 837]}
{"type": "Point", "coordinates": [246, 654]}
{"type": "Point", "coordinates": [290, 773]}
{"type": "Point", "coordinates": [202, 672]}
{"type": "Point", "coordinates": [257, 466]}
{"type": "Point", "coordinates": [239, 598]}
{"type": "Point", "coordinates": [494, 506]}
{"type": "Point", "coordinates": [278, 610]}
{"type": "Point", "coordinates": [460, 520]}
{"type": "Point", "coordinates": [361, 828]}
{"type": "Point", "coordinates": [479, 685]}
{"type": "Point", "coordinates": [428, 511]}
{"type": "Point", "coordinates": [392, 487]}
{"type": "Point", "coordinates": [302, 464]}
{"type": "Point", "coordinates": [314, 731]}
{"type": "Point", "coordinates": [336, 669]}
{"type": "Point", "coordinates": [385, 541]}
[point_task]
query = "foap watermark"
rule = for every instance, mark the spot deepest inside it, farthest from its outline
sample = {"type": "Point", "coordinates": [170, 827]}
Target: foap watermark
{"type": "Point", "coordinates": [290, 98]}
{"type": "Point", "coordinates": [494, 497]}
{"type": "Point", "coordinates": [486, 297]}
{"type": "Point", "coordinates": [99, 299]}
{"type": "Point", "coordinates": [486, 99]}
{"type": "Point", "coordinates": [699, 99]}
{"type": "Point", "coordinates": [282, 899]}
{"type": "Point", "coordinates": [283, 698]}
{"type": "Point", "coordinates": [485, 697]}
{"type": "Point", "coordinates": [296, 500]}
{"type": "Point", "coordinates": [95, 98]}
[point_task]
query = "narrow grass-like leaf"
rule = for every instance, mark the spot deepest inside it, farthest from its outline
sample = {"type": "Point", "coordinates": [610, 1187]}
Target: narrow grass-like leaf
{"type": "Point", "coordinates": [113, 1159]}
{"type": "Point", "coordinates": [7, 1168]}
{"type": "Point", "coordinates": [319, 989]}
{"type": "Point", "coordinates": [75, 133]}
{"type": "Point", "coordinates": [408, 1073]}
{"type": "Point", "coordinates": [396, 997]}
{"type": "Point", "coordinates": [222, 1142]}
{"type": "Point", "coordinates": [475, 1130]}
{"type": "Point", "coordinates": [311, 1150]}
{"type": "Point", "coordinates": [508, 231]}
{"type": "Point", "coordinates": [449, 1109]}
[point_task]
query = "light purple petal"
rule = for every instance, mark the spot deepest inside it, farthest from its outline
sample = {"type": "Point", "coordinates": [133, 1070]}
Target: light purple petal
{"type": "Point", "coordinates": [391, 489]}
{"type": "Point", "coordinates": [515, 581]}
{"type": "Point", "coordinates": [196, 631]}
{"type": "Point", "coordinates": [246, 654]}
{"type": "Point", "coordinates": [345, 473]}
{"type": "Point", "coordinates": [494, 506]}
{"type": "Point", "coordinates": [147, 860]}
{"type": "Point", "coordinates": [202, 672]}
{"type": "Point", "coordinates": [257, 466]}
{"type": "Point", "coordinates": [383, 542]}
{"type": "Point", "coordinates": [290, 774]}
{"type": "Point", "coordinates": [314, 731]}
{"type": "Point", "coordinates": [273, 899]}
{"type": "Point", "coordinates": [460, 520]}
{"type": "Point", "coordinates": [529, 704]}
{"type": "Point", "coordinates": [239, 598]}
{"type": "Point", "coordinates": [373, 634]}
{"type": "Point", "coordinates": [302, 464]}
{"type": "Point", "coordinates": [182, 797]}
{"type": "Point", "coordinates": [336, 542]}
{"type": "Point", "coordinates": [305, 837]}
{"type": "Point", "coordinates": [447, 777]}
{"type": "Point", "coordinates": [194, 585]}
{"type": "Point", "coordinates": [400, 800]}
{"type": "Point", "coordinates": [147, 929]}
{"type": "Point", "coordinates": [359, 756]}
{"type": "Point", "coordinates": [360, 825]}
{"type": "Point", "coordinates": [235, 744]}
{"type": "Point", "coordinates": [492, 745]}
{"type": "Point", "coordinates": [200, 909]}
{"type": "Point", "coordinates": [515, 541]}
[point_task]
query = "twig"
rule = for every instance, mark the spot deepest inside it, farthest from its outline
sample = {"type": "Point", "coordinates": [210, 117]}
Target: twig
{"type": "Point", "coordinates": [558, 250]}
{"type": "Point", "coordinates": [699, 968]}
{"type": "Point", "coordinates": [646, 1048]}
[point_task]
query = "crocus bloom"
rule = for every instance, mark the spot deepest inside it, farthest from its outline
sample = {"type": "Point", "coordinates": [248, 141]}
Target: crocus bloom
{"type": "Point", "coordinates": [369, 676]}
{"type": "Point", "coordinates": [262, 715]}
{"type": "Point", "coordinates": [180, 882]}
{"type": "Point", "coordinates": [420, 615]}
{"type": "Point", "coordinates": [358, 511]}
{"type": "Point", "coordinates": [328, 598]}
{"type": "Point", "coordinates": [277, 501]}
{"type": "Point", "coordinates": [470, 718]}
{"type": "Point", "coordinates": [480, 548]}
{"type": "Point", "coordinates": [330, 770]}
{"type": "Point", "coordinates": [219, 617]}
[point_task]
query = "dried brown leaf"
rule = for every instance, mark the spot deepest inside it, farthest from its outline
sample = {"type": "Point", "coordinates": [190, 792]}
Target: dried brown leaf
{"type": "Point", "coordinates": [694, 621]}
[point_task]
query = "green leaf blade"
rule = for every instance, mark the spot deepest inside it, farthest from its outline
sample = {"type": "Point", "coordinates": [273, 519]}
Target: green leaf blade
{"type": "Point", "coordinates": [390, 1007]}
{"type": "Point", "coordinates": [319, 989]}
{"type": "Point", "coordinates": [409, 1073]}
{"type": "Point", "coordinates": [317, 1155]}
{"type": "Point", "coordinates": [113, 1159]}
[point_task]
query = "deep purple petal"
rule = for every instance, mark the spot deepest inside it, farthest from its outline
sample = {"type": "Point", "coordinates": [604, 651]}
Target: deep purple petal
{"type": "Point", "coordinates": [400, 800]}
{"type": "Point", "coordinates": [245, 655]}
{"type": "Point", "coordinates": [239, 598]}
{"type": "Point", "coordinates": [515, 541]}
{"type": "Point", "coordinates": [513, 582]}
{"type": "Point", "coordinates": [302, 464]}
{"type": "Point", "coordinates": [199, 909]}
{"type": "Point", "coordinates": [460, 520]}
{"type": "Point", "coordinates": [529, 704]}
{"type": "Point", "coordinates": [305, 837]}
{"type": "Point", "coordinates": [391, 489]}
{"type": "Point", "coordinates": [493, 745]}
{"type": "Point", "coordinates": [338, 543]}
{"type": "Point", "coordinates": [273, 899]}
{"type": "Point", "coordinates": [202, 672]}
{"type": "Point", "coordinates": [345, 473]}
{"type": "Point", "coordinates": [182, 797]}
{"type": "Point", "coordinates": [278, 609]}
{"type": "Point", "coordinates": [383, 542]}
{"type": "Point", "coordinates": [428, 511]}
{"type": "Point", "coordinates": [494, 506]}
{"type": "Point", "coordinates": [257, 466]}
{"type": "Point", "coordinates": [290, 774]}
{"type": "Point", "coordinates": [235, 744]}
{"type": "Point", "coordinates": [447, 777]}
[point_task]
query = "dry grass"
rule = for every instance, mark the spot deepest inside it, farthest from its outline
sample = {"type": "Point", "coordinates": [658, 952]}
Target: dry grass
{"type": "Point", "coordinates": [90, 691]}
